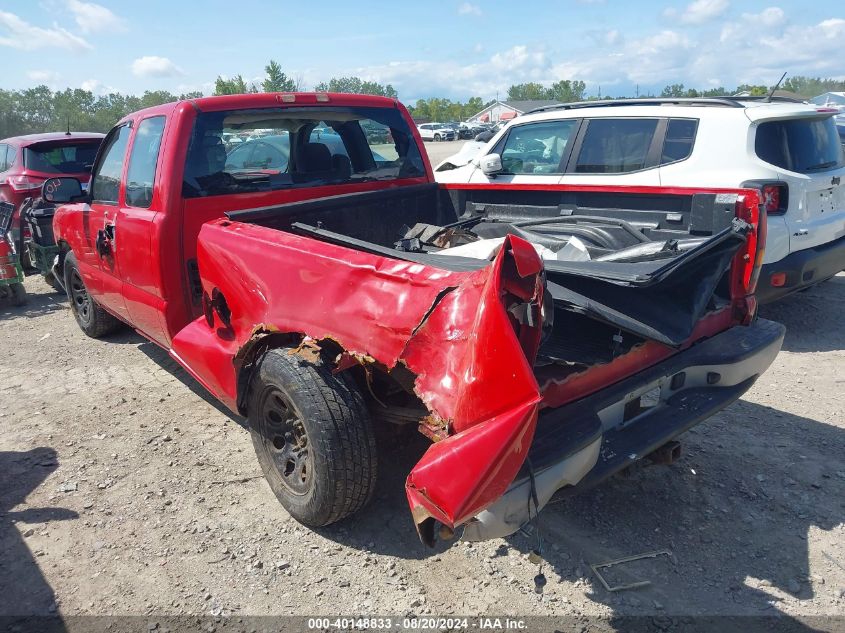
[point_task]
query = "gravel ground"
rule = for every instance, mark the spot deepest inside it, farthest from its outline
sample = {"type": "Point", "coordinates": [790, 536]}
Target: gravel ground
{"type": "Point", "coordinates": [125, 490]}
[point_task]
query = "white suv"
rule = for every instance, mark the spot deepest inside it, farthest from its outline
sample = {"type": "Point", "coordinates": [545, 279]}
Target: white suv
{"type": "Point", "coordinates": [789, 150]}
{"type": "Point", "coordinates": [436, 132]}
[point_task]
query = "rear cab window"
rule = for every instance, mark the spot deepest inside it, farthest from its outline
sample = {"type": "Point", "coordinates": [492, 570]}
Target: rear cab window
{"type": "Point", "coordinates": [239, 151]}
{"type": "Point", "coordinates": [804, 145]}
{"type": "Point", "coordinates": [61, 157]}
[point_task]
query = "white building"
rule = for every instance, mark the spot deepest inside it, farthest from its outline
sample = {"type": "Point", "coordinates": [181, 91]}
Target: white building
{"type": "Point", "coordinates": [506, 110]}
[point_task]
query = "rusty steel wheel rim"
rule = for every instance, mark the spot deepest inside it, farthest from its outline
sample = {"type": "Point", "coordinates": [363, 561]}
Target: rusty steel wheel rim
{"type": "Point", "coordinates": [285, 440]}
{"type": "Point", "coordinates": [80, 300]}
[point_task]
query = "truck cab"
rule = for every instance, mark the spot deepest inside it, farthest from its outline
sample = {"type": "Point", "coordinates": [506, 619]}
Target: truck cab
{"type": "Point", "coordinates": [315, 278]}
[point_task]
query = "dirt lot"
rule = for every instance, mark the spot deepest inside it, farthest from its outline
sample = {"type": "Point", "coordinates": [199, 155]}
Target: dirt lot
{"type": "Point", "coordinates": [124, 489]}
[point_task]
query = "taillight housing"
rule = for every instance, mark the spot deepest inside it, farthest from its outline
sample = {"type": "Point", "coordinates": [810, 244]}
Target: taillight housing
{"type": "Point", "coordinates": [745, 270]}
{"type": "Point", "coordinates": [774, 194]}
{"type": "Point", "coordinates": [25, 183]}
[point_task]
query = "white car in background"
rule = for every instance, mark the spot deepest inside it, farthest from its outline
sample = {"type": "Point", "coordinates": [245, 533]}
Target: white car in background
{"type": "Point", "coordinates": [436, 132]}
{"type": "Point", "coordinates": [789, 150]}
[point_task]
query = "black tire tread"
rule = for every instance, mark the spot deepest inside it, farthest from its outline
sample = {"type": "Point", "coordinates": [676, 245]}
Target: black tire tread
{"type": "Point", "coordinates": [345, 436]}
{"type": "Point", "coordinates": [18, 294]}
{"type": "Point", "coordinates": [102, 324]}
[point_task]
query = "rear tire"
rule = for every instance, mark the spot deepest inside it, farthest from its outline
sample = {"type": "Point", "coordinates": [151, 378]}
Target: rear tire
{"type": "Point", "coordinates": [18, 294]}
{"type": "Point", "coordinates": [90, 317]}
{"type": "Point", "coordinates": [313, 438]}
{"type": "Point", "coordinates": [50, 278]}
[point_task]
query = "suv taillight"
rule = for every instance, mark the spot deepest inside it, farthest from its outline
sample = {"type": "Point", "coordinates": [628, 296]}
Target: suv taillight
{"type": "Point", "coordinates": [25, 183]}
{"type": "Point", "coordinates": [774, 195]}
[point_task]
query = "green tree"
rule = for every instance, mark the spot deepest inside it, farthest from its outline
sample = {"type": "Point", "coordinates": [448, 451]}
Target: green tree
{"type": "Point", "coordinates": [754, 90]}
{"type": "Point", "coordinates": [674, 90]}
{"type": "Point", "coordinates": [566, 91]}
{"type": "Point", "coordinates": [276, 80]}
{"type": "Point", "coordinates": [528, 92]}
{"type": "Point", "coordinates": [812, 86]}
{"type": "Point", "coordinates": [355, 85]}
{"type": "Point", "coordinates": [234, 86]}
{"type": "Point", "coordinates": [157, 97]}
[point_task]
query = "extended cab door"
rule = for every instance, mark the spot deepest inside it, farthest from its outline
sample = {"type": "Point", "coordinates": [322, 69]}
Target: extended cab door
{"type": "Point", "coordinates": [102, 261]}
{"type": "Point", "coordinates": [532, 153]}
{"type": "Point", "coordinates": [138, 240]}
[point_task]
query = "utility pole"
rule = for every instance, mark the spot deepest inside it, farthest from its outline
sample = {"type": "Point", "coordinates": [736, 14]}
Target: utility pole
{"type": "Point", "coordinates": [638, 90]}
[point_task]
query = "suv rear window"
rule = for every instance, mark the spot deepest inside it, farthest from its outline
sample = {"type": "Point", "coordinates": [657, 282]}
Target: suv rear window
{"type": "Point", "coordinates": [61, 158]}
{"type": "Point", "coordinates": [239, 151]}
{"type": "Point", "coordinates": [802, 145]}
{"type": "Point", "coordinates": [615, 146]}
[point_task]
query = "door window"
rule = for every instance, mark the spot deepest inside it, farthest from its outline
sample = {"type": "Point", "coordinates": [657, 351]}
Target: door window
{"type": "Point", "coordinates": [142, 162]}
{"type": "Point", "coordinates": [3, 164]}
{"type": "Point", "coordinates": [106, 176]}
{"type": "Point", "coordinates": [612, 146]}
{"type": "Point", "coordinates": [537, 148]}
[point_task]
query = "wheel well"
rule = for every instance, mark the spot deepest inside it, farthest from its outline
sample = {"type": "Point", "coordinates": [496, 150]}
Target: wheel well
{"type": "Point", "coordinates": [64, 249]}
{"type": "Point", "coordinates": [388, 391]}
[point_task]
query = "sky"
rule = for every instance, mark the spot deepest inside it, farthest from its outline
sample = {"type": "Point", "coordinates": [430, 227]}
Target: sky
{"type": "Point", "coordinates": [453, 49]}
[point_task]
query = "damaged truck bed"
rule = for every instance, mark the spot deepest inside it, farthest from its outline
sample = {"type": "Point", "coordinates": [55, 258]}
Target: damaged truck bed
{"type": "Point", "coordinates": [543, 338]}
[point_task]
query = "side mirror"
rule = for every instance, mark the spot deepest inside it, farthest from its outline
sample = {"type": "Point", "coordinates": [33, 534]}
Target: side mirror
{"type": "Point", "coordinates": [58, 190]}
{"type": "Point", "coordinates": [491, 164]}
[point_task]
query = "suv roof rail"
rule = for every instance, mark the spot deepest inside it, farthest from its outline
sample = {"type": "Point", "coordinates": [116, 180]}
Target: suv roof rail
{"type": "Point", "coordinates": [767, 98]}
{"type": "Point", "coordinates": [725, 102]}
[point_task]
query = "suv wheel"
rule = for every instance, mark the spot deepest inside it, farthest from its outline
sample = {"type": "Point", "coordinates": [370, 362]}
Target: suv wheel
{"type": "Point", "coordinates": [436, 138]}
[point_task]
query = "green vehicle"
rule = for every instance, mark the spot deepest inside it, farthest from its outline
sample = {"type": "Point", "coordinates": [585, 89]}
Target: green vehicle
{"type": "Point", "coordinates": [11, 273]}
{"type": "Point", "coordinates": [37, 217]}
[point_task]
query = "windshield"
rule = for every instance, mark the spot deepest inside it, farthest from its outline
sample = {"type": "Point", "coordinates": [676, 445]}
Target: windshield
{"type": "Point", "coordinates": [239, 151]}
{"type": "Point", "coordinates": [61, 158]}
{"type": "Point", "coordinates": [802, 145]}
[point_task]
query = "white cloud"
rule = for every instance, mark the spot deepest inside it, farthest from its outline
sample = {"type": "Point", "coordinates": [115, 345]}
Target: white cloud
{"type": "Point", "coordinates": [95, 18]}
{"type": "Point", "coordinates": [97, 87]}
{"type": "Point", "coordinates": [616, 62]}
{"type": "Point", "coordinates": [154, 66]}
{"type": "Point", "coordinates": [43, 76]}
{"type": "Point", "coordinates": [467, 8]}
{"type": "Point", "coordinates": [769, 17]}
{"type": "Point", "coordinates": [518, 57]}
{"type": "Point", "coordinates": [605, 38]}
{"type": "Point", "coordinates": [698, 11]}
{"type": "Point", "coordinates": [17, 33]}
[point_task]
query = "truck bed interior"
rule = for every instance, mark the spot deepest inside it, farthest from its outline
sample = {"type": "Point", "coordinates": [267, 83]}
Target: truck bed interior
{"type": "Point", "coordinates": [657, 263]}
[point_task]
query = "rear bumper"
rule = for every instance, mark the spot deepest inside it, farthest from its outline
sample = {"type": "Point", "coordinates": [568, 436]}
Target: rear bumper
{"type": "Point", "coordinates": [583, 443]}
{"type": "Point", "coordinates": [803, 269]}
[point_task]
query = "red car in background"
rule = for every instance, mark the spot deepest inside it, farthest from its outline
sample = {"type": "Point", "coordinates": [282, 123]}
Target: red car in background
{"type": "Point", "coordinates": [27, 161]}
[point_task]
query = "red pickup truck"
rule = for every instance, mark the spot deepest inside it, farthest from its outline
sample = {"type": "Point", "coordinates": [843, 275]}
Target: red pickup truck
{"type": "Point", "coordinates": [294, 254]}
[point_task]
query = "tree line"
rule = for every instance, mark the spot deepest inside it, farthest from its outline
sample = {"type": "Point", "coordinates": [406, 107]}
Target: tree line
{"type": "Point", "coordinates": [41, 109]}
{"type": "Point", "coordinates": [807, 87]}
